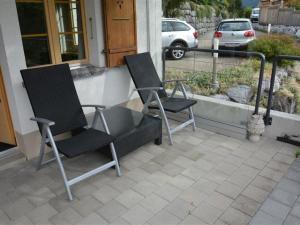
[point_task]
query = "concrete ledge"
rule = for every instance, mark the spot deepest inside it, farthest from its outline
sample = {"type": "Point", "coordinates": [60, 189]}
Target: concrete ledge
{"type": "Point", "coordinates": [230, 118]}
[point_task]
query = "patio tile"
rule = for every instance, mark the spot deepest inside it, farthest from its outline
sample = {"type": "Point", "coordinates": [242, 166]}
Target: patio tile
{"type": "Point", "coordinates": [180, 208]}
{"type": "Point", "coordinates": [229, 189]}
{"type": "Point", "coordinates": [183, 162]}
{"type": "Point", "coordinates": [293, 175]}
{"type": "Point", "coordinates": [145, 188]}
{"type": "Point", "coordinates": [159, 178]}
{"type": "Point", "coordinates": [246, 205]}
{"type": "Point", "coordinates": [87, 205]}
{"type": "Point", "coordinates": [217, 176]}
{"type": "Point", "coordinates": [192, 220]}
{"type": "Point", "coordinates": [204, 165]}
{"type": "Point", "coordinates": [92, 219]}
{"type": "Point", "coordinates": [168, 192]}
{"type": "Point", "coordinates": [235, 160]}
{"type": "Point", "coordinates": [143, 156]}
{"type": "Point", "coordinates": [18, 208]}
{"type": "Point", "coordinates": [119, 221]}
{"type": "Point", "coordinates": [23, 220]}
{"type": "Point", "coordinates": [255, 193]}
{"type": "Point", "coordinates": [207, 213]}
{"type": "Point", "coordinates": [181, 182]}
{"type": "Point", "coordinates": [151, 167]}
{"type": "Point", "coordinates": [227, 168]}
{"type": "Point", "coordinates": [235, 217]}
{"type": "Point", "coordinates": [112, 210]}
{"type": "Point", "coordinates": [219, 200]}
{"type": "Point", "coordinates": [262, 155]}
{"type": "Point", "coordinates": [271, 174]}
{"type": "Point", "coordinates": [248, 171]}
{"type": "Point", "coordinates": [106, 194]}
{"type": "Point", "coordinates": [137, 174]}
{"type": "Point", "coordinates": [193, 196]}
{"type": "Point", "coordinates": [172, 169]}
{"type": "Point", "coordinates": [68, 216]}
{"type": "Point", "coordinates": [275, 208]}
{"type": "Point", "coordinates": [292, 220]}
{"type": "Point", "coordinates": [289, 185]}
{"type": "Point", "coordinates": [129, 198]}
{"type": "Point", "coordinates": [296, 210]}
{"type": "Point", "coordinates": [255, 163]}
{"type": "Point", "coordinates": [284, 197]}
{"type": "Point", "coordinates": [262, 218]}
{"type": "Point", "coordinates": [154, 203]}
{"type": "Point", "coordinates": [284, 158]}
{"type": "Point", "coordinates": [40, 196]}
{"type": "Point", "coordinates": [264, 183]}
{"type": "Point", "coordinates": [193, 173]}
{"type": "Point", "coordinates": [122, 183]}
{"type": "Point", "coordinates": [41, 214]}
{"type": "Point", "coordinates": [239, 179]}
{"type": "Point", "coordinates": [137, 215]}
{"type": "Point", "coordinates": [275, 165]}
{"type": "Point", "coordinates": [193, 140]}
{"type": "Point", "coordinates": [164, 217]}
{"type": "Point", "coordinates": [4, 219]}
{"type": "Point", "coordinates": [206, 186]}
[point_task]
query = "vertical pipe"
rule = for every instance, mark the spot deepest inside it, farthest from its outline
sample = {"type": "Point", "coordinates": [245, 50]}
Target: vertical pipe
{"type": "Point", "coordinates": [260, 81]}
{"type": "Point", "coordinates": [267, 117]}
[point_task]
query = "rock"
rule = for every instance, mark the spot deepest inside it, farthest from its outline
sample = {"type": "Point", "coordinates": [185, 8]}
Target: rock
{"type": "Point", "coordinates": [221, 97]}
{"type": "Point", "coordinates": [298, 34]}
{"type": "Point", "coordinates": [266, 84]}
{"type": "Point", "coordinates": [284, 103]}
{"type": "Point", "coordinates": [241, 93]}
{"type": "Point", "coordinates": [281, 73]}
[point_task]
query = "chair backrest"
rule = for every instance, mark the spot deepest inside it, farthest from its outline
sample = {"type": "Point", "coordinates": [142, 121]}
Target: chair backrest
{"type": "Point", "coordinates": [144, 74]}
{"type": "Point", "coordinates": [53, 96]}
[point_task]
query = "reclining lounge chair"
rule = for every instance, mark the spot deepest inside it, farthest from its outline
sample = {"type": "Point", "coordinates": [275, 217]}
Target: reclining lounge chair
{"type": "Point", "coordinates": [153, 95]}
{"type": "Point", "coordinates": [57, 110]}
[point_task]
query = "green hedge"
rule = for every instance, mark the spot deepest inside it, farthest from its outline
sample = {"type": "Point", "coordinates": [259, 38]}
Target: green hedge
{"type": "Point", "coordinates": [272, 45]}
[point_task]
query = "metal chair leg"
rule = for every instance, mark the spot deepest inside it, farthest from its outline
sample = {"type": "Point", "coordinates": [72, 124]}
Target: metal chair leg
{"type": "Point", "coordinates": [164, 117]}
{"type": "Point", "coordinates": [60, 165]}
{"type": "Point", "coordinates": [42, 148]}
{"type": "Point", "coordinates": [115, 158]}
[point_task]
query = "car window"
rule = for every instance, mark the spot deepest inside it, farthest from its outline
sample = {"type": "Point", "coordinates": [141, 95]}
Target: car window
{"type": "Point", "coordinates": [234, 26]}
{"type": "Point", "coordinates": [255, 11]}
{"type": "Point", "coordinates": [166, 27]}
{"type": "Point", "coordinates": [178, 26]}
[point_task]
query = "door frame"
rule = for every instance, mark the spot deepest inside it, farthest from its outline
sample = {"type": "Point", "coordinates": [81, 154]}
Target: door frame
{"type": "Point", "coordinates": [11, 131]}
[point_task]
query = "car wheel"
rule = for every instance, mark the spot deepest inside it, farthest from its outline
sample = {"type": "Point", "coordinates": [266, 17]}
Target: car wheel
{"type": "Point", "coordinates": [177, 54]}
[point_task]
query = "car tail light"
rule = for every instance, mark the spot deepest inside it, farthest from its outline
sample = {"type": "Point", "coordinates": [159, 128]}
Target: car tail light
{"type": "Point", "coordinates": [196, 34]}
{"type": "Point", "coordinates": [249, 33]}
{"type": "Point", "coordinates": [218, 34]}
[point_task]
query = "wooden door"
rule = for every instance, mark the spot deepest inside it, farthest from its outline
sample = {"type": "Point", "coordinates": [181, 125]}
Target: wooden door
{"type": "Point", "coordinates": [120, 30]}
{"type": "Point", "coordinates": [7, 134]}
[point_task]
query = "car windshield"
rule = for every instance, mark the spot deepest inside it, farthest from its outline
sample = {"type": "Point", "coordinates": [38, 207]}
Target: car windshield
{"type": "Point", "coordinates": [255, 11]}
{"type": "Point", "coordinates": [235, 26]}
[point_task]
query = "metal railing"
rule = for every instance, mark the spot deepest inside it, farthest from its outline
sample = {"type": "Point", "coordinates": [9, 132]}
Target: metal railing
{"type": "Point", "coordinates": [233, 52]}
{"type": "Point", "coordinates": [276, 60]}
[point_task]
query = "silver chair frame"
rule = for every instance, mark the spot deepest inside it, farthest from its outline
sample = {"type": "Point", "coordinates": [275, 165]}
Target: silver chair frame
{"type": "Point", "coordinates": [47, 137]}
{"type": "Point", "coordinates": [154, 93]}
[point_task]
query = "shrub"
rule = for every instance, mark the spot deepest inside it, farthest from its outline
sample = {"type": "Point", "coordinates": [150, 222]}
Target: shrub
{"type": "Point", "coordinates": [272, 45]}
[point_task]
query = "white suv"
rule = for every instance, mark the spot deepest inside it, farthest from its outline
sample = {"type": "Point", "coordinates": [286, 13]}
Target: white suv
{"type": "Point", "coordinates": [178, 33]}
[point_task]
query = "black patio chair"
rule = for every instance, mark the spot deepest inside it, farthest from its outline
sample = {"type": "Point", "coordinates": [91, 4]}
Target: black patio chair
{"type": "Point", "coordinates": [57, 110]}
{"type": "Point", "coordinates": [154, 96]}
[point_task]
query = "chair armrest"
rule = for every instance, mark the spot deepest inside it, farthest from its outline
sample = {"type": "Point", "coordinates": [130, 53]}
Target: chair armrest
{"type": "Point", "coordinates": [149, 89]}
{"type": "Point", "coordinates": [43, 121]}
{"type": "Point", "coordinates": [94, 106]}
{"type": "Point", "coordinates": [176, 80]}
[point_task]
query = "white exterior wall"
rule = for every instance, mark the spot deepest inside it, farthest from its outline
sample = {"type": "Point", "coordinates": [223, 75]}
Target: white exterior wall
{"type": "Point", "coordinates": [110, 88]}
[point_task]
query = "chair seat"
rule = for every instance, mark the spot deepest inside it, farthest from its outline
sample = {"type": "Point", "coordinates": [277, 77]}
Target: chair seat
{"type": "Point", "coordinates": [87, 140]}
{"type": "Point", "coordinates": [174, 105]}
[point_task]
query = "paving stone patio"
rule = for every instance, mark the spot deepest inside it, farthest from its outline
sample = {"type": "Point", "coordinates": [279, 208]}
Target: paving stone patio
{"type": "Point", "coordinates": [204, 178]}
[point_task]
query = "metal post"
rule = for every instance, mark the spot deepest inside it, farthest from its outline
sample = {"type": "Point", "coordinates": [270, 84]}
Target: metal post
{"type": "Point", "coordinates": [260, 81]}
{"type": "Point", "coordinates": [215, 84]}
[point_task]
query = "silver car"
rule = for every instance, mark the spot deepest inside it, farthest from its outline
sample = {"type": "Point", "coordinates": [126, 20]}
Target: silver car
{"type": "Point", "coordinates": [255, 15]}
{"type": "Point", "coordinates": [235, 34]}
{"type": "Point", "coordinates": [178, 33]}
